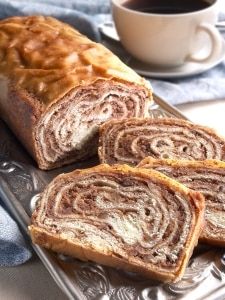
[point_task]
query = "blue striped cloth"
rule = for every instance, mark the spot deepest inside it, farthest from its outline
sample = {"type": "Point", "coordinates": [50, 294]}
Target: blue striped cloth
{"type": "Point", "coordinates": [13, 249]}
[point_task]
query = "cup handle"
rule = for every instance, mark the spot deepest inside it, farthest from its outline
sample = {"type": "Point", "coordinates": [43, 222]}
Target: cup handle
{"type": "Point", "coordinates": [216, 44]}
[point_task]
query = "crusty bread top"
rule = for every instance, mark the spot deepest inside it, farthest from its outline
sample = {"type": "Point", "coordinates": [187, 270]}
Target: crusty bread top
{"type": "Point", "coordinates": [49, 58]}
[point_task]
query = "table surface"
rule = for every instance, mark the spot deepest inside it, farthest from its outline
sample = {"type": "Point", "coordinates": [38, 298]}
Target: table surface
{"type": "Point", "coordinates": [32, 280]}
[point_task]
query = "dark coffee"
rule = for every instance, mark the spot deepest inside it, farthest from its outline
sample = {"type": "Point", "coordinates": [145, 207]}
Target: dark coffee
{"type": "Point", "coordinates": [166, 6]}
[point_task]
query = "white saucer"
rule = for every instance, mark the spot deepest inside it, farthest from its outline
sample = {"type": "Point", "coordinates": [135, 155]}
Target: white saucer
{"type": "Point", "coordinates": [188, 69]}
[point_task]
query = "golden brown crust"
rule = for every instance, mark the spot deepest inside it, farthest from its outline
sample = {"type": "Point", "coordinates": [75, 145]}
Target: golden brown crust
{"type": "Point", "coordinates": [57, 244]}
{"type": "Point", "coordinates": [209, 163]}
{"type": "Point", "coordinates": [49, 58]}
{"type": "Point", "coordinates": [19, 113]}
{"type": "Point", "coordinates": [42, 61]}
{"type": "Point", "coordinates": [208, 240]}
{"type": "Point", "coordinates": [66, 246]}
{"type": "Point", "coordinates": [212, 164]}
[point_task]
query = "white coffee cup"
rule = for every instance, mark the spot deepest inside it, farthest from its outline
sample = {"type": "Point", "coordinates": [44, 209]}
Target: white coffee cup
{"type": "Point", "coordinates": [169, 39]}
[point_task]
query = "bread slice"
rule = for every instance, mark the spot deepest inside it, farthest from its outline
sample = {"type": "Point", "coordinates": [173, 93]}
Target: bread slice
{"type": "Point", "coordinates": [137, 220]}
{"type": "Point", "coordinates": [207, 177]}
{"type": "Point", "coordinates": [129, 141]}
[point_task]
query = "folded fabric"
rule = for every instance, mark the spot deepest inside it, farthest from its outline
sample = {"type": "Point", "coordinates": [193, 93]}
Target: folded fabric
{"type": "Point", "coordinates": [207, 86]}
{"type": "Point", "coordinates": [13, 250]}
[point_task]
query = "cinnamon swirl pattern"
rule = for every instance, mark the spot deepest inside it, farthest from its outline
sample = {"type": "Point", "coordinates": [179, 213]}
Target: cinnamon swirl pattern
{"type": "Point", "coordinates": [129, 141]}
{"type": "Point", "coordinates": [68, 130]}
{"type": "Point", "coordinates": [134, 219]}
{"type": "Point", "coordinates": [207, 177]}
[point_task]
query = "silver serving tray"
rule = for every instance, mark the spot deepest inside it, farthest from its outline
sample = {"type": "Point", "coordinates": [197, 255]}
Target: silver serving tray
{"type": "Point", "coordinates": [21, 182]}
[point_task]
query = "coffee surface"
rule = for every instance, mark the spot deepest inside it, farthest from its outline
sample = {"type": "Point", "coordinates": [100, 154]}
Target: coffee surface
{"type": "Point", "coordinates": [166, 6]}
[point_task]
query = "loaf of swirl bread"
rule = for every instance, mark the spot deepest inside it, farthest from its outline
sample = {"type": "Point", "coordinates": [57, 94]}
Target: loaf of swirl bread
{"type": "Point", "coordinates": [135, 219]}
{"type": "Point", "coordinates": [129, 141]}
{"type": "Point", "coordinates": [57, 87]}
{"type": "Point", "coordinates": [207, 177]}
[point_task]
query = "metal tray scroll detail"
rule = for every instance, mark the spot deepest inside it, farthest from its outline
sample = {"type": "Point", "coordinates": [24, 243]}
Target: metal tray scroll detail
{"type": "Point", "coordinates": [22, 182]}
{"type": "Point", "coordinates": [156, 112]}
{"type": "Point", "coordinates": [93, 281]}
{"type": "Point", "coordinates": [99, 282]}
{"type": "Point", "coordinates": [20, 177]}
{"type": "Point", "coordinates": [17, 177]}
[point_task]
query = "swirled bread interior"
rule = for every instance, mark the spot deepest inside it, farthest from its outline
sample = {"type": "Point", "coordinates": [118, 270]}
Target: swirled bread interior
{"type": "Point", "coordinates": [68, 130]}
{"type": "Point", "coordinates": [134, 219]}
{"type": "Point", "coordinates": [207, 177]}
{"type": "Point", "coordinates": [129, 141]}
